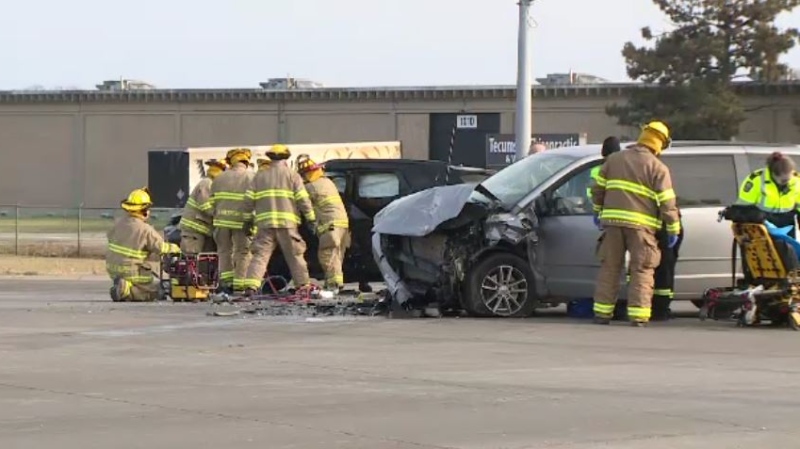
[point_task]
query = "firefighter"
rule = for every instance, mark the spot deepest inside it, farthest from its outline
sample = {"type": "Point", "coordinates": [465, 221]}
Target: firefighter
{"type": "Point", "coordinates": [610, 146]}
{"type": "Point", "coordinates": [231, 222]}
{"type": "Point", "coordinates": [197, 224]}
{"type": "Point", "coordinates": [133, 247]}
{"type": "Point", "coordinates": [664, 277]}
{"type": "Point", "coordinates": [332, 221]}
{"type": "Point", "coordinates": [278, 197]}
{"type": "Point", "coordinates": [263, 164]}
{"type": "Point", "coordinates": [775, 190]}
{"type": "Point", "coordinates": [633, 197]}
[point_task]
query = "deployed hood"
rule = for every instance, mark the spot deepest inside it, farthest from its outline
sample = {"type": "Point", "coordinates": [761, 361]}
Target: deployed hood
{"type": "Point", "coordinates": [419, 214]}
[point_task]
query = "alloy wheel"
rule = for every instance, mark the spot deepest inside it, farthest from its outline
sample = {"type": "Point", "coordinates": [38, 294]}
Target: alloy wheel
{"type": "Point", "coordinates": [504, 290]}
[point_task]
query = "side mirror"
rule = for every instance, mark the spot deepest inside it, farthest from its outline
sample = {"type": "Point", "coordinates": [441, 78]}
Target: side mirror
{"type": "Point", "coordinates": [541, 205]}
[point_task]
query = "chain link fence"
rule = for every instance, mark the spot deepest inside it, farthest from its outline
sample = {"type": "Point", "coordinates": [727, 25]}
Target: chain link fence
{"type": "Point", "coordinates": [62, 232]}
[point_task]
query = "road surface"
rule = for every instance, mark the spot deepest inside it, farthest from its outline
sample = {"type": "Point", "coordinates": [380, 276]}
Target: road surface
{"type": "Point", "coordinates": [78, 371]}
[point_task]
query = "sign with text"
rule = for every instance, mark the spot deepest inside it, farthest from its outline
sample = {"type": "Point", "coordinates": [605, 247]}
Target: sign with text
{"type": "Point", "coordinates": [466, 121]}
{"type": "Point", "coordinates": [501, 149]}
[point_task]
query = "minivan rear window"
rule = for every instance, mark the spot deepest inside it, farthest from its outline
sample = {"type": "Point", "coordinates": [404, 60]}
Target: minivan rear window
{"type": "Point", "coordinates": [703, 180]}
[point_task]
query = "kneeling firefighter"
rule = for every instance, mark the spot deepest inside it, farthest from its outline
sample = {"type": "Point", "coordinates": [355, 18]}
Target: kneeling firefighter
{"type": "Point", "coordinates": [278, 197]}
{"type": "Point", "coordinates": [134, 248]}
{"type": "Point", "coordinates": [332, 221]}
{"type": "Point", "coordinates": [197, 221]}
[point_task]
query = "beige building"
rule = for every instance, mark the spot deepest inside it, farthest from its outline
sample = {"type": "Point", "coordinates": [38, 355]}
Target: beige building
{"type": "Point", "coordinates": [90, 147]}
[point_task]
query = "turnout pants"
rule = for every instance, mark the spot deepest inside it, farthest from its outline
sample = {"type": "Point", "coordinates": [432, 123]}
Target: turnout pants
{"type": "Point", "coordinates": [664, 288]}
{"type": "Point", "coordinates": [293, 248]}
{"type": "Point", "coordinates": [193, 243]}
{"type": "Point", "coordinates": [644, 256]}
{"type": "Point", "coordinates": [332, 246]}
{"type": "Point", "coordinates": [233, 249]}
{"type": "Point", "coordinates": [139, 282]}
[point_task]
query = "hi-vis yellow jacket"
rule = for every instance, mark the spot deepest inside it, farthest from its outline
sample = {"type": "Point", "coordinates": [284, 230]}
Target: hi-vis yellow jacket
{"type": "Point", "coordinates": [760, 190]}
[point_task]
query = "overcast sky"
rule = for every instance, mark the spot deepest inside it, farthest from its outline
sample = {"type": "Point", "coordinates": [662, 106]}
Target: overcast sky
{"type": "Point", "coordinates": [239, 43]}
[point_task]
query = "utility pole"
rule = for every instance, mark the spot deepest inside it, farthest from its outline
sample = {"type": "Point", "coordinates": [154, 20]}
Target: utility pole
{"type": "Point", "coordinates": [523, 119]}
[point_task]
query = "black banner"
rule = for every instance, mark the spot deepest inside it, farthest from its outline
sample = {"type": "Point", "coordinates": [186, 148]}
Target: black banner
{"type": "Point", "coordinates": [501, 149]}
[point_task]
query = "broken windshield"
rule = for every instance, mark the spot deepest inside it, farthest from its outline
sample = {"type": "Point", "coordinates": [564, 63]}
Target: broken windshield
{"type": "Point", "coordinates": [512, 183]}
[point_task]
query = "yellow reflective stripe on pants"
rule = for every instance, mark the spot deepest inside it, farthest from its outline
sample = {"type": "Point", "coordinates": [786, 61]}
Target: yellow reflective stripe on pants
{"type": "Point", "coordinates": [139, 279]}
{"type": "Point", "coordinates": [255, 284]}
{"type": "Point", "coordinates": [273, 193]}
{"type": "Point", "coordinates": [603, 310]}
{"type": "Point", "coordinates": [639, 313]}
{"type": "Point", "coordinates": [239, 284]}
{"type": "Point", "coordinates": [195, 225]}
{"type": "Point", "coordinates": [664, 292]}
{"type": "Point", "coordinates": [337, 280]}
{"type": "Point", "coordinates": [276, 217]}
{"type": "Point", "coordinates": [323, 228]}
{"type": "Point", "coordinates": [627, 216]}
{"type": "Point", "coordinates": [226, 276]}
{"type": "Point", "coordinates": [127, 252]}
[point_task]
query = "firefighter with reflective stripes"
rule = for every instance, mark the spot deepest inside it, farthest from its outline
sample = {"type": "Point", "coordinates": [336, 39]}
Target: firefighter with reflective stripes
{"type": "Point", "coordinates": [332, 221]}
{"type": "Point", "coordinates": [632, 198]}
{"type": "Point", "coordinates": [197, 222]}
{"type": "Point", "coordinates": [278, 198]}
{"type": "Point", "coordinates": [134, 248]}
{"type": "Point", "coordinates": [232, 221]}
{"type": "Point", "coordinates": [775, 190]}
{"type": "Point", "coordinates": [610, 146]}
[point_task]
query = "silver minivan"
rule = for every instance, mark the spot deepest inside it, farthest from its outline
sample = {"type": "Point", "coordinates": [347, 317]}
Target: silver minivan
{"type": "Point", "coordinates": [535, 220]}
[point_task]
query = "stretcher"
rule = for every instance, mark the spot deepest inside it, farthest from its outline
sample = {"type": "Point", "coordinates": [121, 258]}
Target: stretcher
{"type": "Point", "coordinates": [770, 288]}
{"type": "Point", "coordinates": [188, 277]}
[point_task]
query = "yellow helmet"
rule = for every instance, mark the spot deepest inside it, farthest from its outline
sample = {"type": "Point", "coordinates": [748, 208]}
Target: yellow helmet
{"type": "Point", "coordinates": [216, 163]}
{"type": "Point", "coordinates": [306, 165]}
{"type": "Point", "coordinates": [238, 155]}
{"type": "Point", "coordinates": [137, 201]}
{"type": "Point", "coordinates": [263, 163]}
{"type": "Point", "coordinates": [279, 150]}
{"type": "Point", "coordinates": [655, 136]}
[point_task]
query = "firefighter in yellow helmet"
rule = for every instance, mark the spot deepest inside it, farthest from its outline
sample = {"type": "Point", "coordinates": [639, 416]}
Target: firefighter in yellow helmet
{"type": "Point", "coordinates": [197, 222]}
{"type": "Point", "coordinates": [232, 221]}
{"type": "Point", "coordinates": [134, 249]}
{"type": "Point", "coordinates": [332, 221]}
{"type": "Point", "coordinates": [278, 199]}
{"type": "Point", "coordinates": [263, 164]}
{"type": "Point", "coordinates": [632, 198]}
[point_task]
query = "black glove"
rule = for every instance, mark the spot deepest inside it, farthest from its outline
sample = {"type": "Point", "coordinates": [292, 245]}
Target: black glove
{"type": "Point", "coordinates": [312, 227]}
{"type": "Point", "coordinates": [248, 228]}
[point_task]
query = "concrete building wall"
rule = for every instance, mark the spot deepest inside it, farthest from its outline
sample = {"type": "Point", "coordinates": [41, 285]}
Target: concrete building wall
{"type": "Point", "coordinates": [63, 150]}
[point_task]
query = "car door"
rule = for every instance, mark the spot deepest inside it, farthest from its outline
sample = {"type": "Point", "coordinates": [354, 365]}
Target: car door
{"type": "Point", "coordinates": [372, 191]}
{"type": "Point", "coordinates": [704, 185]}
{"type": "Point", "coordinates": [566, 253]}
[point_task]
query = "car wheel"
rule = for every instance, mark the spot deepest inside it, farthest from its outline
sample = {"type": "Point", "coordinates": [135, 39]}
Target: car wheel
{"type": "Point", "coordinates": [501, 285]}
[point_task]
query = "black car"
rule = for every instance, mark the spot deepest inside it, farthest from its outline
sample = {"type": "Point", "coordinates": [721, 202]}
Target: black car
{"type": "Point", "coordinates": [367, 186]}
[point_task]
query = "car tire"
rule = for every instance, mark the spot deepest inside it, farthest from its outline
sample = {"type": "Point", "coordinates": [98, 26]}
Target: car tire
{"type": "Point", "coordinates": [511, 277]}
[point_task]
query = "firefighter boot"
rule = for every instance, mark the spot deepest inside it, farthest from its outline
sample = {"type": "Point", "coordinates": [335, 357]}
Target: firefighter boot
{"type": "Point", "coordinates": [121, 291]}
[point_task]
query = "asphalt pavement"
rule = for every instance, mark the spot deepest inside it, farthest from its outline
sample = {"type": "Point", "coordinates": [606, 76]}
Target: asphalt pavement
{"type": "Point", "coordinates": [77, 371]}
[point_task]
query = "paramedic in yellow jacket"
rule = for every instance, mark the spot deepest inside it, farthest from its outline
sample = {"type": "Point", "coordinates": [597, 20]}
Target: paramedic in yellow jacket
{"type": "Point", "coordinates": [232, 222]}
{"type": "Point", "coordinates": [332, 221]}
{"type": "Point", "coordinates": [134, 248]}
{"type": "Point", "coordinates": [197, 221]}
{"type": "Point", "coordinates": [278, 198]}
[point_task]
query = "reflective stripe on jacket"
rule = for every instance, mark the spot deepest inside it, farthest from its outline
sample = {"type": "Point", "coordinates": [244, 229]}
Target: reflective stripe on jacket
{"type": "Point", "coordinates": [196, 215]}
{"type": "Point", "coordinates": [760, 190]}
{"type": "Point", "coordinates": [634, 189]}
{"type": "Point", "coordinates": [328, 205]}
{"type": "Point", "coordinates": [131, 242]}
{"type": "Point", "coordinates": [278, 197]}
{"type": "Point", "coordinates": [228, 192]}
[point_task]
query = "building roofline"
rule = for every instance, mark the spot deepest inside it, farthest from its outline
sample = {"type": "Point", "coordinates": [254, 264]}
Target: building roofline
{"type": "Point", "coordinates": [357, 93]}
